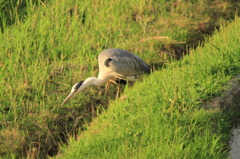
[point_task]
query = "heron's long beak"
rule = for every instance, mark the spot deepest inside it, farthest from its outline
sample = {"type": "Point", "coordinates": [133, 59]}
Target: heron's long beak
{"type": "Point", "coordinates": [68, 97]}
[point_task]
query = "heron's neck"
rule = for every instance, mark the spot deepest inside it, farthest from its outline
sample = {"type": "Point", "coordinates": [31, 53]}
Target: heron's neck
{"type": "Point", "coordinates": [95, 81]}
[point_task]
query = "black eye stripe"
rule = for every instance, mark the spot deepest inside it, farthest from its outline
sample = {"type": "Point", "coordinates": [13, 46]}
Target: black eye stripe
{"type": "Point", "coordinates": [106, 63]}
{"type": "Point", "coordinates": [78, 85]}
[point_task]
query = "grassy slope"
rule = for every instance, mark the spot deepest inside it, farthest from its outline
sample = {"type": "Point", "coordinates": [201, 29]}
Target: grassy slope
{"type": "Point", "coordinates": [57, 45]}
{"type": "Point", "coordinates": [162, 117]}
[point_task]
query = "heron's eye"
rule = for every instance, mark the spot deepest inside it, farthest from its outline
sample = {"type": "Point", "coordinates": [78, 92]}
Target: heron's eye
{"type": "Point", "coordinates": [78, 85]}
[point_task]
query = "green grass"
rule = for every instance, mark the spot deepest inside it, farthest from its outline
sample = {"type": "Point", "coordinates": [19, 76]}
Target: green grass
{"type": "Point", "coordinates": [15, 11]}
{"type": "Point", "coordinates": [162, 116]}
{"type": "Point", "coordinates": [44, 50]}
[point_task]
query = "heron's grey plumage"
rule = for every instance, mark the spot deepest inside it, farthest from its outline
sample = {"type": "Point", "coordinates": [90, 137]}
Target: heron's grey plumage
{"type": "Point", "coordinates": [121, 63]}
{"type": "Point", "coordinates": [113, 64]}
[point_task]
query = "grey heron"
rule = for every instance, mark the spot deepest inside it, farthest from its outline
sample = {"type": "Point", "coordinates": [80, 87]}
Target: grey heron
{"type": "Point", "coordinates": [113, 64]}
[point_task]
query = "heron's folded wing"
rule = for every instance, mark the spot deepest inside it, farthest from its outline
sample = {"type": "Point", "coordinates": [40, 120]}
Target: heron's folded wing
{"type": "Point", "coordinates": [127, 65]}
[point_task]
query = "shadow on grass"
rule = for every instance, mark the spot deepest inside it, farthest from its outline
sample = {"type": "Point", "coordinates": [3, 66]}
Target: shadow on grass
{"type": "Point", "coordinates": [197, 34]}
{"type": "Point", "coordinates": [70, 121]}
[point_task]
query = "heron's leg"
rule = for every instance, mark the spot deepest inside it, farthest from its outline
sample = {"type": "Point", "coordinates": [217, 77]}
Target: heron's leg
{"type": "Point", "coordinates": [113, 81]}
{"type": "Point", "coordinates": [118, 90]}
{"type": "Point", "coordinates": [108, 85]}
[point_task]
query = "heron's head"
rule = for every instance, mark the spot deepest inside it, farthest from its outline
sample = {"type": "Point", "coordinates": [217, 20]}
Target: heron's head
{"type": "Point", "coordinates": [75, 89]}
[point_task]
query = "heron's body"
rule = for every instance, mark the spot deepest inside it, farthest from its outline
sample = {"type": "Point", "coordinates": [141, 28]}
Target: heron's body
{"type": "Point", "coordinates": [117, 63]}
{"type": "Point", "coordinates": [113, 64]}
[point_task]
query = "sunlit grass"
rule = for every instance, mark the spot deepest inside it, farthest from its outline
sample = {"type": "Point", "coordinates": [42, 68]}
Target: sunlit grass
{"type": "Point", "coordinates": [49, 46]}
{"type": "Point", "coordinates": [162, 116]}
